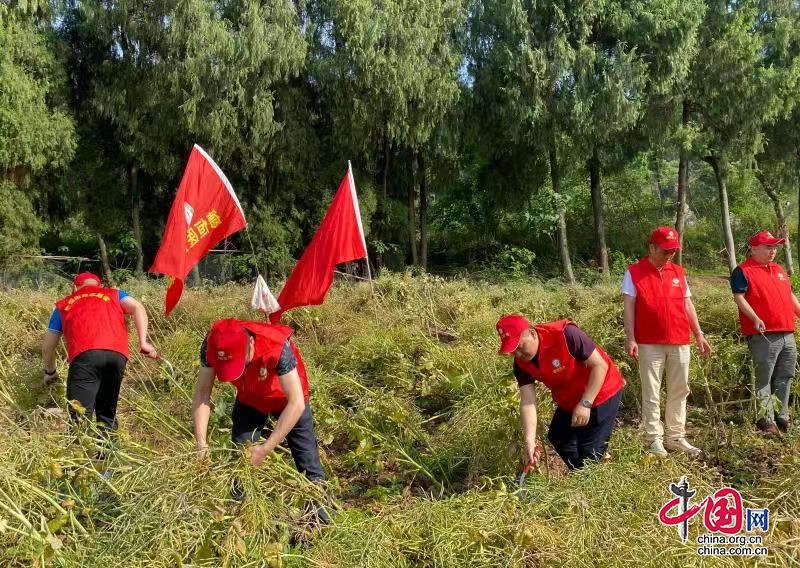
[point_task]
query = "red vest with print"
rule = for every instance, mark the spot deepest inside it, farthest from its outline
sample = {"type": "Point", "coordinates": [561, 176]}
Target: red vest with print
{"type": "Point", "coordinates": [660, 314]}
{"type": "Point", "coordinates": [565, 376]}
{"type": "Point", "coordinates": [92, 318]}
{"type": "Point", "coordinates": [260, 387]}
{"type": "Point", "coordinates": [769, 293]}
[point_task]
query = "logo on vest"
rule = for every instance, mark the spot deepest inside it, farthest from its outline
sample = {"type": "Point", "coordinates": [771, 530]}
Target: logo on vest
{"type": "Point", "coordinates": [676, 282]}
{"type": "Point", "coordinates": [262, 373]}
{"type": "Point", "coordinates": [557, 366]}
{"type": "Point", "coordinates": [74, 299]}
{"type": "Point", "coordinates": [781, 276]}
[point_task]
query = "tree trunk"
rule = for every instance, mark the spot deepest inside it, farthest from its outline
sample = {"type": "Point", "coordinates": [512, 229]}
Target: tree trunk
{"type": "Point", "coordinates": [423, 215]}
{"type": "Point", "coordinates": [721, 176]}
{"type": "Point", "coordinates": [412, 213]}
{"type": "Point", "coordinates": [683, 185]}
{"type": "Point", "coordinates": [196, 280]}
{"type": "Point", "coordinates": [383, 204]}
{"type": "Point", "coordinates": [657, 175]}
{"type": "Point", "coordinates": [780, 216]}
{"type": "Point", "coordinates": [136, 208]}
{"type": "Point", "coordinates": [561, 214]}
{"type": "Point", "coordinates": [104, 259]}
{"type": "Point", "coordinates": [597, 209]}
{"type": "Point", "coordinates": [385, 169]}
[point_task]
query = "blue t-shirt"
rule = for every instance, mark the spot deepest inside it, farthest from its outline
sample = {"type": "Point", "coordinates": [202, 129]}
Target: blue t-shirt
{"type": "Point", "coordinates": [55, 318]}
{"type": "Point", "coordinates": [286, 362]}
{"type": "Point", "coordinates": [739, 284]}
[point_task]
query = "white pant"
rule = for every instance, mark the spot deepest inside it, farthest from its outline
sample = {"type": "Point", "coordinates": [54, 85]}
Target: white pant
{"type": "Point", "coordinates": [671, 361]}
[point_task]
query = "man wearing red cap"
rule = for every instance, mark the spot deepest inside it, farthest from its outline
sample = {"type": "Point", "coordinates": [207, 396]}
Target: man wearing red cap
{"type": "Point", "coordinates": [767, 312]}
{"type": "Point", "coordinates": [659, 316]}
{"type": "Point", "coordinates": [270, 379]}
{"type": "Point", "coordinates": [584, 382]}
{"type": "Point", "coordinates": [92, 323]}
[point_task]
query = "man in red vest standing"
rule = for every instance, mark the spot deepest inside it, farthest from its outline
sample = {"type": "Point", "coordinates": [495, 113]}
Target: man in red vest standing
{"type": "Point", "coordinates": [767, 312]}
{"type": "Point", "coordinates": [584, 382]}
{"type": "Point", "coordinates": [659, 316]}
{"type": "Point", "coordinates": [92, 323]}
{"type": "Point", "coordinates": [267, 371]}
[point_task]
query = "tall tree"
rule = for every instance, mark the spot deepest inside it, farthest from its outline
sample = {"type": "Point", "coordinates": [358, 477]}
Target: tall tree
{"type": "Point", "coordinates": [36, 128]}
{"type": "Point", "coordinates": [735, 93]}
{"type": "Point", "coordinates": [778, 164]}
{"type": "Point", "coordinates": [390, 72]}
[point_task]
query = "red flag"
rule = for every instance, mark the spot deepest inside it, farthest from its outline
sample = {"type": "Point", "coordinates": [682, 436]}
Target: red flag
{"type": "Point", "coordinates": [205, 211]}
{"type": "Point", "coordinates": [339, 238]}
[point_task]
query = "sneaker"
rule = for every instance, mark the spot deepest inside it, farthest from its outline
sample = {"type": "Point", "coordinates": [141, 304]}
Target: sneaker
{"type": "Point", "coordinates": [657, 448]}
{"type": "Point", "coordinates": [682, 445]}
{"type": "Point", "coordinates": [782, 423]}
{"type": "Point", "coordinates": [768, 427]}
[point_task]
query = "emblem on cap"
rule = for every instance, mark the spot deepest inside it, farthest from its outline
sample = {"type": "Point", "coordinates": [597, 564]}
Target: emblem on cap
{"type": "Point", "coordinates": [222, 356]}
{"type": "Point", "coordinates": [670, 235]}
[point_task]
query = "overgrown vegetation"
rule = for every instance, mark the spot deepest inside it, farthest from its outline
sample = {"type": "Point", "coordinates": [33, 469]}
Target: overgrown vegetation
{"type": "Point", "coordinates": [418, 424]}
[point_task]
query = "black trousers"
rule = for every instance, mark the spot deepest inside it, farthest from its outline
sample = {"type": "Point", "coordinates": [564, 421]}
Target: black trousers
{"type": "Point", "coordinates": [578, 445]}
{"type": "Point", "coordinates": [249, 426]}
{"type": "Point", "coordinates": [94, 380]}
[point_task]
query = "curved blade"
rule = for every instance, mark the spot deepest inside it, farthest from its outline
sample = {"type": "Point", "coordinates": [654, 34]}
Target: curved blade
{"type": "Point", "coordinates": [170, 367]}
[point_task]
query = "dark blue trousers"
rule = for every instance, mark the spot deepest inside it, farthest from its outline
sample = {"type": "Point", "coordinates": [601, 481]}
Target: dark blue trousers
{"type": "Point", "coordinates": [576, 446]}
{"type": "Point", "coordinates": [249, 426]}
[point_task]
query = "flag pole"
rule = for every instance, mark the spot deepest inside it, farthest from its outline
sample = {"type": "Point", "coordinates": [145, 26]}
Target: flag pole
{"type": "Point", "coordinates": [360, 226]}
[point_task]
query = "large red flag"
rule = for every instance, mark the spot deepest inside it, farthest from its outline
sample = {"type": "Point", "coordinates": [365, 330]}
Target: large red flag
{"type": "Point", "coordinates": [339, 238]}
{"type": "Point", "coordinates": [205, 211]}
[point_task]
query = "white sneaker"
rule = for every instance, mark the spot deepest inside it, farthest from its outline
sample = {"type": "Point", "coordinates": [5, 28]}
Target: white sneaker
{"type": "Point", "coordinates": [657, 448]}
{"type": "Point", "coordinates": [682, 445]}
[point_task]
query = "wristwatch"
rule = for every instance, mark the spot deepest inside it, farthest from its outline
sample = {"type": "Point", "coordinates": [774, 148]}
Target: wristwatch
{"type": "Point", "coordinates": [586, 403]}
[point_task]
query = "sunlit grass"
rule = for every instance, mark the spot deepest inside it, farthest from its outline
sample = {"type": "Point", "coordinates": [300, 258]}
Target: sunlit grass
{"type": "Point", "coordinates": [418, 425]}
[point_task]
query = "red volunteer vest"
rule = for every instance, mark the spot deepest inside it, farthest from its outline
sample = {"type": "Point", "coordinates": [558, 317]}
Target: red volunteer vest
{"type": "Point", "coordinates": [565, 376]}
{"type": "Point", "coordinates": [660, 313]}
{"type": "Point", "coordinates": [92, 318]}
{"type": "Point", "coordinates": [259, 387]}
{"type": "Point", "coordinates": [769, 292]}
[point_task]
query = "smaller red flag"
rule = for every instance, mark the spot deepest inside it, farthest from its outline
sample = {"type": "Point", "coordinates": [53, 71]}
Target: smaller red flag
{"type": "Point", "coordinates": [339, 238]}
{"type": "Point", "coordinates": [205, 211]}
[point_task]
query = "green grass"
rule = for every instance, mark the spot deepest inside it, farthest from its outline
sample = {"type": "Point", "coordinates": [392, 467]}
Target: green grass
{"type": "Point", "coordinates": [418, 423]}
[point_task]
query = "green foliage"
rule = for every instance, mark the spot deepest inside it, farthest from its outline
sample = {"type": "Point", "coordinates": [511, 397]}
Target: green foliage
{"type": "Point", "coordinates": [19, 226]}
{"type": "Point", "coordinates": [473, 101]}
{"type": "Point", "coordinates": [36, 131]}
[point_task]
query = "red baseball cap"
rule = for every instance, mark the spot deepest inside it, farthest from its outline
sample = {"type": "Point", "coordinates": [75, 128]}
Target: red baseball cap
{"type": "Point", "coordinates": [81, 278]}
{"type": "Point", "coordinates": [765, 238]}
{"type": "Point", "coordinates": [226, 349]}
{"type": "Point", "coordinates": [666, 238]}
{"type": "Point", "coordinates": [510, 329]}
